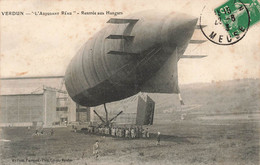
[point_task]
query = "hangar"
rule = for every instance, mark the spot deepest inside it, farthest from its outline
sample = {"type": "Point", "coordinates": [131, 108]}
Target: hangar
{"type": "Point", "coordinates": [23, 105]}
{"type": "Point", "coordinates": [24, 109]}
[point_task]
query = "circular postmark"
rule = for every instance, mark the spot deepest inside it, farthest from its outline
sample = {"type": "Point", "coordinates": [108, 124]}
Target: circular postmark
{"type": "Point", "coordinates": [224, 24]}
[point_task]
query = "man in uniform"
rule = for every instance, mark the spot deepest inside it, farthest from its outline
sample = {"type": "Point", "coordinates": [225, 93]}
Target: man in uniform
{"type": "Point", "coordinates": [158, 138]}
{"type": "Point", "coordinates": [127, 132]}
{"type": "Point", "coordinates": [147, 134]}
{"type": "Point", "coordinates": [132, 132]}
{"type": "Point", "coordinates": [96, 149]}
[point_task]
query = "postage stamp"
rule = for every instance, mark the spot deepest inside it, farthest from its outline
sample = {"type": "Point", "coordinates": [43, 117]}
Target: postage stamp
{"type": "Point", "coordinates": [234, 18]}
{"type": "Point", "coordinates": [234, 15]}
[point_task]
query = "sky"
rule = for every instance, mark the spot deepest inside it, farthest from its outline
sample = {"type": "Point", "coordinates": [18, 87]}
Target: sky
{"type": "Point", "coordinates": [44, 45]}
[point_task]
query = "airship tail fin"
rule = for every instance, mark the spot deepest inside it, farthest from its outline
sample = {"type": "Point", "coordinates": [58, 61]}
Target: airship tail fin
{"type": "Point", "coordinates": [200, 26]}
{"type": "Point", "coordinates": [197, 41]}
{"type": "Point", "coordinates": [165, 80]}
{"type": "Point", "coordinates": [122, 53]}
{"type": "Point", "coordinates": [126, 37]}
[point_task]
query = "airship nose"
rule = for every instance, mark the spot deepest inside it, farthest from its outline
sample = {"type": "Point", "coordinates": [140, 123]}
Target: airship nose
{"type": "Point", "coordinates": [178, 29]}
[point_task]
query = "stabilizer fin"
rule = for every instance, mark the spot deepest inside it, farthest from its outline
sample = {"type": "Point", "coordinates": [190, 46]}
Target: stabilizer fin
{"type": "Point", "coordinates": [198, 26]}
{"type": "Point", "coordinates": [112, 36]}
{"type": "Point", "coordinates": [122, 53]}
{"type": "Point", "coordinates": [197, 41]}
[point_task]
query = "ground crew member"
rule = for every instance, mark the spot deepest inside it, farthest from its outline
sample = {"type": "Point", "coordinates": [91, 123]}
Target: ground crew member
{"type": "Point", "coordinates": [123, 132]}
{"type": "Point", "coordinates": [96, 149]}
{"type": "Point", "coordinates": [147, 133]}
{"type": "Point", "coordinates": [116, 132]}
{"type": "Point", "coordinates": [158, 138]}
{"type": "Point", "coordinates": [132, 133]}
{"type": "Point", "coordinates": [119, 132]}
{"type": "Point", "coordinates": [144, 133]}
{"type": "Point", "coordinates": [137, 132]}
{"type": "Point", "coordinates": [126, 133]}
{"type": "Point", "coordinates": [113, 131]}
{"type": "Point", "coordinates": [140, 131]}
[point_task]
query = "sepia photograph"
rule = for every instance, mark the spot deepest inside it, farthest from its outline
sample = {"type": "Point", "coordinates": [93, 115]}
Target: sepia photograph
{"type": "Point", "coordinates": [115, 82]}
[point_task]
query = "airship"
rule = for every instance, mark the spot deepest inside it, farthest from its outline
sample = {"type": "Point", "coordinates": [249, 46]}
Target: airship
{"type": "Point", "coordinates": [137, 53]}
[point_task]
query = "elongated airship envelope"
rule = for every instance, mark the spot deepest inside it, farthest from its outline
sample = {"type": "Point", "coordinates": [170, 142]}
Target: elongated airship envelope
{"type": "Point", "coordinates": [132, 54]}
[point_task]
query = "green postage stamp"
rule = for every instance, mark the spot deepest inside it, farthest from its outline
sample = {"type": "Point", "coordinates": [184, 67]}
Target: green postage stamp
{"type": "Point", "coordinates": [238, 15]}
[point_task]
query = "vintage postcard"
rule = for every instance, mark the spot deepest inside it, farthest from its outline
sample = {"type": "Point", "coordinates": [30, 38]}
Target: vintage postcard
{"type": "Point", "coordinates": [172, 82]}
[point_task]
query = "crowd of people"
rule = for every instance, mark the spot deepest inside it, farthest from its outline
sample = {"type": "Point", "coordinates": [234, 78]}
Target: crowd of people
{"type": "Point", "coordinates": [130, 132]}
{"type": "Point", "coordinates": [121, 132]}
{"type": "Point", "coordinates": [39, 132]}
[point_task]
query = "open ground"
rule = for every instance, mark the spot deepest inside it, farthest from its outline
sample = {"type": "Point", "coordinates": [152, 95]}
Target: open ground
{"type": "Point", "coordinates": [221, 128]}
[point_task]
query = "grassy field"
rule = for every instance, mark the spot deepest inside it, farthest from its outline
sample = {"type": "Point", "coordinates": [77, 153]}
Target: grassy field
{"type": "Point", "coordinates": [223, 129]}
